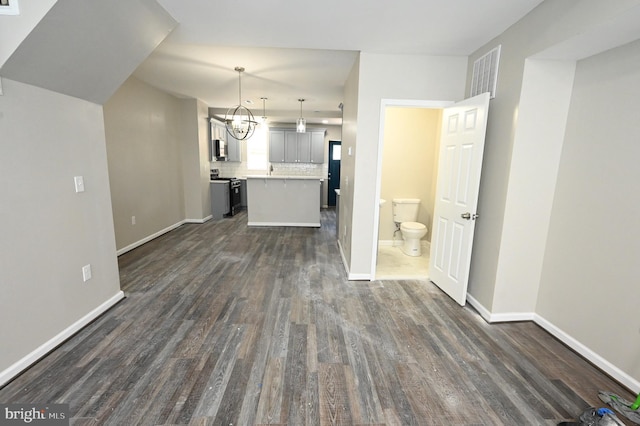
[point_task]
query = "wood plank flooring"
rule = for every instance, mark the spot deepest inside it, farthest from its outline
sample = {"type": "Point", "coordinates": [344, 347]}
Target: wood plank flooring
{"type": "Point", "coordinates": [229, 325]}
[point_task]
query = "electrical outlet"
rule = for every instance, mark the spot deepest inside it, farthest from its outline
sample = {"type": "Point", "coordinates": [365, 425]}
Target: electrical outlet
{"type": "Point", "coordinates": [79, 183]}
{"type": "Point", "coordinates": [86, 273]}
{"type": "Point", "coordinates": [133, 220]}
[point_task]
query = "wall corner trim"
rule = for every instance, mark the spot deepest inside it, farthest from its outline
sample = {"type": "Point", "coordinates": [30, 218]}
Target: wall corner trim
{"type": "Point", "coordinates": [15, 369]}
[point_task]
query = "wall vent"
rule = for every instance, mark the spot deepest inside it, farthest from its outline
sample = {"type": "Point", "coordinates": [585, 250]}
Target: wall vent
{"type": "Point", "coordinates": [9, 7]}
{"type": "Point", "coordinates": [485, 73]}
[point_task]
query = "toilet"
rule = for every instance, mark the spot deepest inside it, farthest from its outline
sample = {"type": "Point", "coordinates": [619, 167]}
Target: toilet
{"type": "Point", "coordinates": [405, 213]}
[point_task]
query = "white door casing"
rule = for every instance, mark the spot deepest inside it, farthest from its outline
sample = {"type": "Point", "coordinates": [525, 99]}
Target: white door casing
{"type": "Point", "coordinates": [460, 165]}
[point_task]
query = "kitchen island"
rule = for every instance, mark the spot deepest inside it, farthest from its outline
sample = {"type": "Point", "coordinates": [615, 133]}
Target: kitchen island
{"type": "Point", "coordinates": [283, 200]}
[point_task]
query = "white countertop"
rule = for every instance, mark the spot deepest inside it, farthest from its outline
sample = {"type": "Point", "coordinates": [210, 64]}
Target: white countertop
{"type": "Point", "coordinates": [285, 177]}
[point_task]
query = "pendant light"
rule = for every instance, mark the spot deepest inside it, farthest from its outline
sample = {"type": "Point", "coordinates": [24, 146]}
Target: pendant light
{"type": "Point", "coordinates": [301, 124]}
{"type": "Point", "coordinates": [263, 120]}
{"type": "Point", "coordinates": [239, 120]}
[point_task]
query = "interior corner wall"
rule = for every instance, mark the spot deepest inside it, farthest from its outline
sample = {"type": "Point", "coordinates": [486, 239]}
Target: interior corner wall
{"type": "Point", "coordinates": [347, 162]}
{"type": "Point", "coordinates": [50, 231]}
{"type": "Point", "coordinates": [589, 279]}
{"type": "Point", "coordinates": [195, 159]}
{"type": "Point", "coordinates": [535, 158]}
{"type": "Point", "coordinates": [202, 117]}
{"type": "Point", "coordinates": [144, 132]}
{"type": "Point", "coordinates": [549, 24]}
{"type": "Point", "coordinates": [389, 77]}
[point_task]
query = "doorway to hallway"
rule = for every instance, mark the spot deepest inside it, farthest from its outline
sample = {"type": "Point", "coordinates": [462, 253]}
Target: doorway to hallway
{"type": "Point", "coordinates": [335, 154]}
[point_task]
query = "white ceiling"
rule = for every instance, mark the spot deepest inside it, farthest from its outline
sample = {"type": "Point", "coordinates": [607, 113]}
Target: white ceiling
{"type": "Point", "coordinates": [300, 49]}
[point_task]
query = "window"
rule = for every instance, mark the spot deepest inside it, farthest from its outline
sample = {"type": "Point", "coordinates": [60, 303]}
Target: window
{"type": "Point", "coordinates": [257, 154]}
{"type": "Point", "coordinates": [336, 152]}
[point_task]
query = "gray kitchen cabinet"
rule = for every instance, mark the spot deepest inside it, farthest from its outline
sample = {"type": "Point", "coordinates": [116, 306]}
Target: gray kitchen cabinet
{"type": "Point", "coordinates": [289, 146]}
{"type": "Point", "coordinates": [304, 147]}
{"type": "Point", "coordinates": [317, 147]}
{"type": "Point", "coordinates": [276, 146]}
{"type": "Point", "coordinates": [243, 193]}
{"type": "Point", "coordinates": [234, 149]}
{"type": "Point", "coordinates": [220, 200]}
{"type": "Point", "coordinates": [297, 147]}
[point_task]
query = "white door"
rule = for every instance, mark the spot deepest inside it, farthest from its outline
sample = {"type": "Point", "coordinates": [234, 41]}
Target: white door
{"type": "Point", "coordinates": [460, 163]}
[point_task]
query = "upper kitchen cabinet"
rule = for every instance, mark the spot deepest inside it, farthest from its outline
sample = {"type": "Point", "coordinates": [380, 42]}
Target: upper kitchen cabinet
{"type": "Point", "coordinates": [234, 149]}
{"type": "Point", "coordinates": [276, 146]}
{"type": "Point", "coordinates": [218, 130]}
{"type": "Point", "coordinates": [297, 147]}
{"type": "Point", "coordinates": [288, 146]}
{"type": "Point", "coordinates": [317, 147]}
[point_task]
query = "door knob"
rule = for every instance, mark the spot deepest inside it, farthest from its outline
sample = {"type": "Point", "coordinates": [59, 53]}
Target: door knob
{"type": "Point", "coordinates": [469, 216]}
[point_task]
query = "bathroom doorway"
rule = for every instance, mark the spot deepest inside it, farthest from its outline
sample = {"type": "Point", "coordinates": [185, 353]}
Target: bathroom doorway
{"type": "Point", "coordinates": [409, 161]}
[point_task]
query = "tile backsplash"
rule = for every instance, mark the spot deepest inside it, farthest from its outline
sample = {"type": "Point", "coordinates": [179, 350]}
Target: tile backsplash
{"type": "Point", "coordinates": [239, 170]}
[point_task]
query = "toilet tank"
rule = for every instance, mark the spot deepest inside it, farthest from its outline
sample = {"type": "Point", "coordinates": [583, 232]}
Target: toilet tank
{"type": "Point", "coordinates": [405, 209]}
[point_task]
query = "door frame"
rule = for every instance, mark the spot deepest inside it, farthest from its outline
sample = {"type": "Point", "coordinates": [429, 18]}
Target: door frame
{"type": "Point", "coordinates": [384, 103]}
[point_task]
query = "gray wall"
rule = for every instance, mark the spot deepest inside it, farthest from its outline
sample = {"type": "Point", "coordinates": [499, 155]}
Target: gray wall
{"type": "Point", "coordinates": [589, 285]}
{"type": "Point", "coordinates": [49, 231]}
{"type": "Point", "coordinates": [493, 263]}
{"type": "Point", "coordinates": [149, 147]}
{"type": "Point", "coordinates": [559, 150]}
{"type": "Point", "coordinates": [194, 144]}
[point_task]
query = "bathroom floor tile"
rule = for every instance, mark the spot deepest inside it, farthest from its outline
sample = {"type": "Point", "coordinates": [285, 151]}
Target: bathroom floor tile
{"type": "Point", "coordinates": [392, 264]}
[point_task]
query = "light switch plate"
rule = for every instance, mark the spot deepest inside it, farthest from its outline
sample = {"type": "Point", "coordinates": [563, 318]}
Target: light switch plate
{"type": "Point", "coordinates": [86, 273]}
{"type": "Point", "coordinates": [79, 182]}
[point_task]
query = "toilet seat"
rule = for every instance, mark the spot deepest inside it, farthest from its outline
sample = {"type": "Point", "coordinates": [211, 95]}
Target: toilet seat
{"type": "Point", "coordinates": [412, 226]}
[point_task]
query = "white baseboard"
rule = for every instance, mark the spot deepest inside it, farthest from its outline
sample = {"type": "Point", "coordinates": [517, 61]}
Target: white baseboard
{"type": "Point", "coordinates": [295, 224]}
{"type": "Point", "coordinates": [42, 350]}
{"type": "Point", "coordinates": [161, 232]}
{"type": "Point", "coordinates": [198, 220]}
{"type": "Point", "coordinates": [503, 317]}
{"type": "Point", "coordinates": [484, 312]}
{"type": "Point", "coordinates": [344, 259]}
{"type": "Point", "coordinates": [149, 238]}
{"type": "Point", "coordinates": [594, 358]}
{"type": "Point", "coordinates": [619, 375]}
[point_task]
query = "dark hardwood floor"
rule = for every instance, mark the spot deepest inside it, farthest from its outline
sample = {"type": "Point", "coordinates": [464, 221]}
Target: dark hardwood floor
{"type": "Point", "coordinates": [229, 325]}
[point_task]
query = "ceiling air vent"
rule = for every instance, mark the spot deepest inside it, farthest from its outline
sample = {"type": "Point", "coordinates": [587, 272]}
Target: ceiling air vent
{"type": "Point", "coordinates": [9, 7]}
{"type": "Point", "coordinates": [485, 73]}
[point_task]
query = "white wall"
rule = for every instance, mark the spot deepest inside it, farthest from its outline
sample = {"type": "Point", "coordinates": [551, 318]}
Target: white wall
{"type": "Point", "coordinates": [589, 280]}
{"type": "Point", "coordinates": [144, 136]}
{"type": "Point", "coordinates": [49, 231]}
{"type": "Point", "coordinates": [384, 77]}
